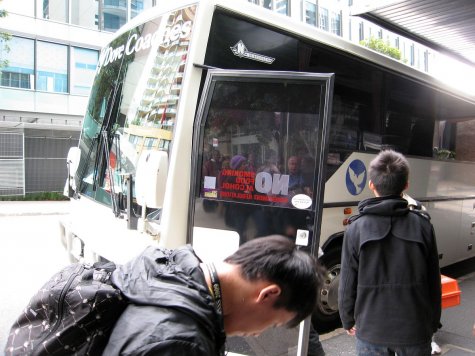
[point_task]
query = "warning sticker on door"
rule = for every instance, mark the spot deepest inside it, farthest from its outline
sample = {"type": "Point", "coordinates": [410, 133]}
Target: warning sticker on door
{"type": "Point", "coordinates": [301, 201]}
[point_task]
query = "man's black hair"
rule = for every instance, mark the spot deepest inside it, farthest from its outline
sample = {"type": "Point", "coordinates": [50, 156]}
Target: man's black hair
{"type": "Point", "coordinates": [389, 172]}
{"type": "Point", "coordinates": [276, 259]}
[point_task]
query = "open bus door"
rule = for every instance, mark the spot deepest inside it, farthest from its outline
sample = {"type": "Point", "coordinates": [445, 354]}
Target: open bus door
{"type": "Point", "coordinates": [259, 154]}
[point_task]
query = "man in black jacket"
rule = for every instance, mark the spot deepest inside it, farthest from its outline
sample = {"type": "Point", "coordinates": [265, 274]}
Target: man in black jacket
{"type": "Point", "coordinates": [181, 306]}
{"type": "Point", "coordinates": [390, 291]}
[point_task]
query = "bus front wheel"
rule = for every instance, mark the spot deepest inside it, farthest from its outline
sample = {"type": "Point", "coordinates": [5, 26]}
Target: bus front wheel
{"type": "Point", "coordinates": [325, 317]}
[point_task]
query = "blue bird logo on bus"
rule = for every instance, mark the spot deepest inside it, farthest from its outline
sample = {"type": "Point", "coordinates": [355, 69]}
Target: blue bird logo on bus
{"type": "Point", "coordinates": [356, 177]}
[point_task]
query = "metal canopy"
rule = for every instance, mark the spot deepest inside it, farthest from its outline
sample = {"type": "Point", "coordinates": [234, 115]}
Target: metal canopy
{"type": "Point", "coordinates": [447, 26]}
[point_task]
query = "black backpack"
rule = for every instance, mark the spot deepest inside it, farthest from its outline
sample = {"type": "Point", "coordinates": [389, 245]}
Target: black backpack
{"type": "Point", "coordinates": [72, 314]}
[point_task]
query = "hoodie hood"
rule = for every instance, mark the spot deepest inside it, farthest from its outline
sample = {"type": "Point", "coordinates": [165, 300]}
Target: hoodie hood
{"type": "Point", "coordinates": [169, 279]}
{"type": "Point", "coordinates": [387, 216]}
{"type": "Point", "coordinates": [392, 205]}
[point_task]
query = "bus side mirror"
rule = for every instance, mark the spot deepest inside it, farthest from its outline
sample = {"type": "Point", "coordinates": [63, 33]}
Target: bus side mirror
{"type": "Point", "coordinates": [151, 178]}
{"type": "Point", "coordinates": [72, 162]}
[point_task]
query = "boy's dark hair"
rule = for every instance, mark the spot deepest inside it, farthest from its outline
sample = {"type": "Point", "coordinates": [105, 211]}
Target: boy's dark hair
{"type": "Point", "coordinates": [389, 172]}
{"type": "Point", "coordinates": [276, 259]}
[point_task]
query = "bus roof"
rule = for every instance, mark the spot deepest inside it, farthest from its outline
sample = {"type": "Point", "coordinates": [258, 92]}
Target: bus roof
{"type": "Point", "coordinates": [299, 29]}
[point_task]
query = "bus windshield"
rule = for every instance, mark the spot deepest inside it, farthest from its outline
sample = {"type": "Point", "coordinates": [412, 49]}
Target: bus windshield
{"type": "Point", "coordinates": [133, 102]}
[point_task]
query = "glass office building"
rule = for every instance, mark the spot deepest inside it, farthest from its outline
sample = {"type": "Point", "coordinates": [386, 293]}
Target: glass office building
{"type": "Point", "coordinates": [50, 64]}
{"type": "Point", "coordinates": [51, 59]}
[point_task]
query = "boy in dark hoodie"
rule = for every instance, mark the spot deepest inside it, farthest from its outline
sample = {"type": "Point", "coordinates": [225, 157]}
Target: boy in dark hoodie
{"type": "Point", "coordinates": [181, 306]}
{"type": "Point", "coordinates": [390, 291]}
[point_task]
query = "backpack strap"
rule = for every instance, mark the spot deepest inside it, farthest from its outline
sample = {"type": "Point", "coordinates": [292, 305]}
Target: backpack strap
{"type": "Point", "coordinates": [422, 213]}
{"type": "Point", "coordinates": [354, 218]}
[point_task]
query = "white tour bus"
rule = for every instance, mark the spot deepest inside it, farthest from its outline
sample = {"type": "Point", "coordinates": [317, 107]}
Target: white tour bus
{"type": "Point", "coordinates": [215, 122]}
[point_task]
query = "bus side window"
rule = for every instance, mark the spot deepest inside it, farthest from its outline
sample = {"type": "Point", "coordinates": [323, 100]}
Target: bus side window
{"type": "Point", "coordinates": [454, 140]}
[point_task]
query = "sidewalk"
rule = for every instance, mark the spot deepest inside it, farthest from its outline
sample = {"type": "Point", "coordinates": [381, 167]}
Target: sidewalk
{"type": "Point", "coordinates": [454, 338]}
{"type": "Point", "coordinates": [29, 208]}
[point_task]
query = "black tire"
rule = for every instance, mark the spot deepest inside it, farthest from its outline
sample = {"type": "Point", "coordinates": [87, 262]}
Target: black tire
{"type": "Point", "coordinates": [325, 317]}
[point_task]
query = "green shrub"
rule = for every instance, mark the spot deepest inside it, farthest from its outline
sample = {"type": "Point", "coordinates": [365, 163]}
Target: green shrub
{"type": "Point", "coordinates": [384, 47]}
{"type": "Point", "coordinates": [42, 196]}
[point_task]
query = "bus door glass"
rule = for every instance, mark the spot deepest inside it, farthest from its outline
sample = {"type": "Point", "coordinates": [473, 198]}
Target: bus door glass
{"type": "Point", "coordinates": [258, 166]}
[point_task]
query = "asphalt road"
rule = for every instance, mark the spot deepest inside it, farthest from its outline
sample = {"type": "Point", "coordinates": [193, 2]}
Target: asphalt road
{"type": "Point", "coordinates": [31, 252]}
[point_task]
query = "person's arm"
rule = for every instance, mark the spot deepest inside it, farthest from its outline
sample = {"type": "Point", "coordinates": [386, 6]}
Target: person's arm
{"type": "Point", "coordinates": [206, 169]}
{"type": "Point", "coordinates": [348, 281]}
{"type": "Point", "coordinates": [149, 330]}
{"type": "Point", "coordinates": [435, 288]}
{"type": "Point", "coordinates": [170, 348]}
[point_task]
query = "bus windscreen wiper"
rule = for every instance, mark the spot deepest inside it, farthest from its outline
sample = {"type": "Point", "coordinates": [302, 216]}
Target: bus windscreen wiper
{"type": "Point", "coordinates": [104, 142]}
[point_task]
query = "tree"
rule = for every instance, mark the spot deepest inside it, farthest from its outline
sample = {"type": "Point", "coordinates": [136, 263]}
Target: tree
{"type": "Point", "coordinates": [4, 38]}
{"type": "Point", "coordinates": [383, 47]}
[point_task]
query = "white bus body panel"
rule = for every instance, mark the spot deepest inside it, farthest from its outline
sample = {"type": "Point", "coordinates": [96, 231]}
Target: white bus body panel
{"type": "Point", "coordinates": [441, 182]}
{"type": "Point", "coordinates": [102, 235]}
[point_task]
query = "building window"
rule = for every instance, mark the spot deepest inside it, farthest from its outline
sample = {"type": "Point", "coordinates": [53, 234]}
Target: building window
{"type": "Point", "coordinates": [15, 80]}
{"type": "Point", "coordinates": [336, 23]}
{"type": "Point", "coordinates": [350, 32]}
{"type": "Point", "coordinates": [135, 140]}
{"type": "Point", "coordinates": [413, 55]}
{"type": "Point", "coordinates": [19, 72]}
{"type": "Point", "coordinates": [418, 58]}
{"type": "Point", "coordinates": [116, 3]}
{"type": "Point", "coordinates": [282, 6]}
{"type": "Point", "coordinates": [323, 16]}
{"type": "Point", "coordinates": [136, 7]}
{"type": "Point", "coordinates": [83, 69]}
{"type": "Point", "coordinates": [426, 60]}
{"type": "Point", "coordinates": [56, 10]}
{"type": "Point", "coordinates": [52, 67]}
{"type": "Point", "coordinates": [150, 142]}
{"type": "Point", "coordinates": [311, 13]}
{"type": "Point", "coordinates": [361, 31]}
{"type": "Point", "coordinates": [108, 15]}
{"type": "Point", "coordinates": [113, 22]}
{"type": "Point", "coordinates": [164, 145]}
{"type": "Point", "coordinates": [114, 14]}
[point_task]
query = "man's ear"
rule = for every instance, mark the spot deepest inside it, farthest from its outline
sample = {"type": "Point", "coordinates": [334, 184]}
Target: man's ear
{"type": "Point", "coordinates": [370, 185]}
{"type": "Point", "coordinates": [269, 294]}
{"type": "Point", "coordinates": [373, 188]}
